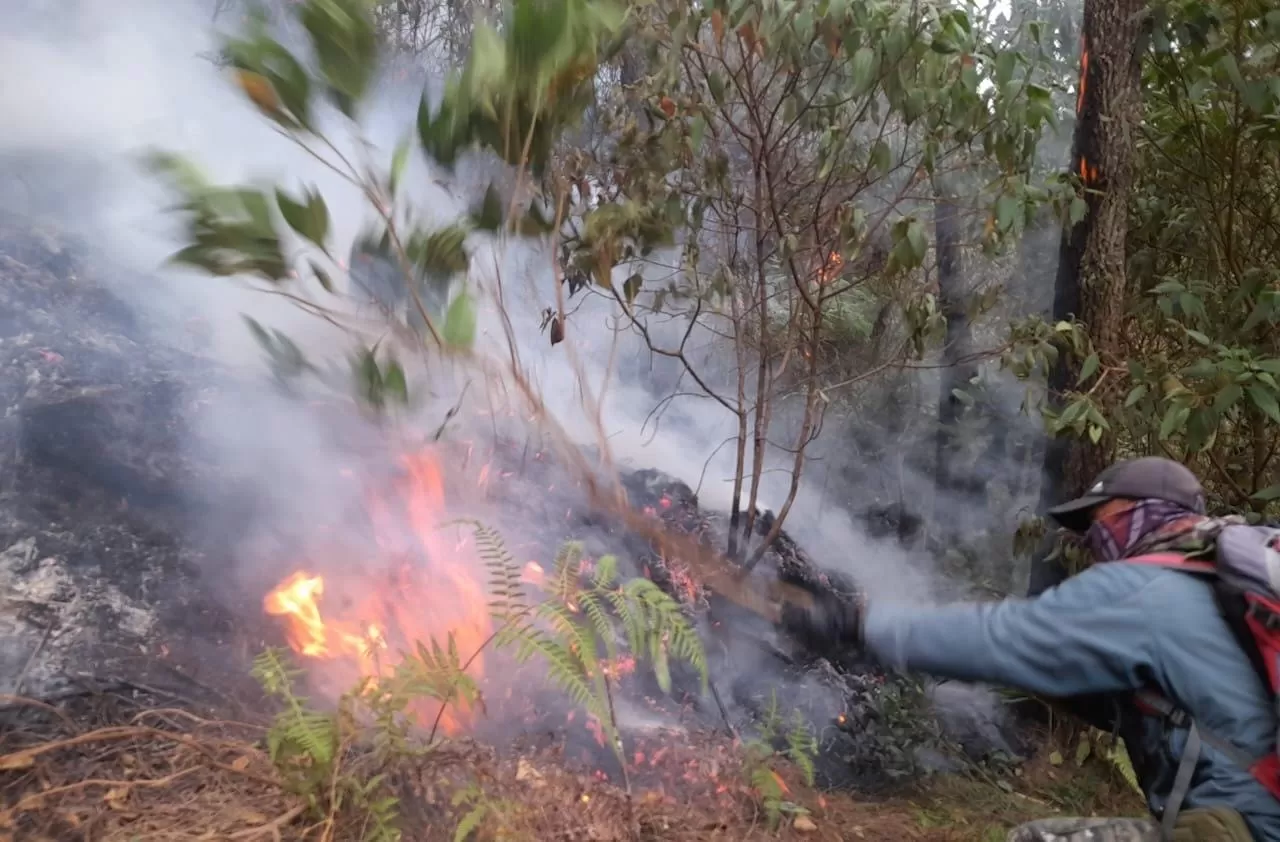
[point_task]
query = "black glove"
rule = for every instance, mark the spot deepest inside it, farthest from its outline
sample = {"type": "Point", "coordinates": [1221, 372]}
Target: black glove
{"type": "Point", "coordinates": [830, 623]}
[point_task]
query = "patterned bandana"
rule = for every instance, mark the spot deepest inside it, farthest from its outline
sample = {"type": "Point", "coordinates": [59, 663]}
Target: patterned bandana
{"type": "Point", "coordinates": [1148, 526]}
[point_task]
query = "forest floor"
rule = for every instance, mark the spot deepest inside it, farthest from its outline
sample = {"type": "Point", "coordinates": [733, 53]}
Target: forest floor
{"type": "Point", "coordinates": [117, 771]}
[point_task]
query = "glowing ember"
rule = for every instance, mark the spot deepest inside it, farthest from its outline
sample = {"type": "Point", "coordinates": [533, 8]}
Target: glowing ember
{"type": "Point", "coordinates": [426, 586]}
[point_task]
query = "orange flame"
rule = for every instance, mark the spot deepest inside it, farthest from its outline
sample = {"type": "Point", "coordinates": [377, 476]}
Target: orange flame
{"type": "Point", "coordinates": [1084, 75]}
{"type": "Point", "coordinates": [830, 268]}
{"type": "Point", "coordinates": [430, 591]}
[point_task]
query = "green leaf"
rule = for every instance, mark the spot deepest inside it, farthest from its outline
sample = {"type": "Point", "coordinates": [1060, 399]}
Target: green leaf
{"type": "Point", "coordinates": [697, 131]}
{"type": "Point", "coordinates": [311, 220]}
{"type": "Point", "coordinates": [460, 322]}
{"type": "Point", "coordinates": [1265, 400]}
{"type": "Point", "coordinates": [1005, 63]}
{"type": "Point", "coordinates": [715, 84]}
{"type": "Point", "coordinates": [1227, 398]}
{"type": "Point", "coordinates": [398, 161]}
{"type": "Point", "coordinates": [862, 70]}
{"type": "Point", "coordinates": [489, 216]}
{"type": "Point", "coordinates": [323, 277]}
{"type": "Point", "coordinates": [1089, 368]}
{"type": "Point", "coordinates": [1174, 420]}
{"type": "Point", "coordinates": [881, 158]}
{"type": "Point", "coordinates": [916, 238]}
{"type": "Point", "coordinates": [1138, 393]}
{"type": "Point", "coordinates": [1079, 208]}
{"type": "Point", "coordinates": [394, 384]}
{"type": "Point", "coordinates": [1199, 337]}
{"type": "Point", "coordinates": [1268, 494]}
{"type": "Point", "coordinates": [1006, 212]}
{"type": "Point", "coordinates": [1083, 749]}
{"type": "Point", "coordinates": [1202, 369]}
{"type": "Point", "coordinates": [346, 47]}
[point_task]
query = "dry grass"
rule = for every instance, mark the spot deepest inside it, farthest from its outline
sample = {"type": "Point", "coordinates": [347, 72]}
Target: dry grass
{"type": "Point", "coordinates": [167, 775]}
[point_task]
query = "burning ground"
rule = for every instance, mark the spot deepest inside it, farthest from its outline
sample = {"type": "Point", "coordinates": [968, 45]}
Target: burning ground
{"type": "Point", "coordinates": [131, 609]}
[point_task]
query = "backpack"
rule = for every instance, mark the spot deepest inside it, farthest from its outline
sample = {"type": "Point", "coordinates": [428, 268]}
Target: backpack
{"type": "Point", "coordinates": [1245, 571]}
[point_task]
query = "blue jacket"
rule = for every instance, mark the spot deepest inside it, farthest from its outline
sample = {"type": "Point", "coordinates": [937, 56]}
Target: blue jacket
{"type": "Point", "coordinates": [1111, 629]}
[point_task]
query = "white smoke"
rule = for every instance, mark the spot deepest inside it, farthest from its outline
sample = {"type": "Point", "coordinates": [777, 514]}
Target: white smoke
{"type": "Point", "coordinates": [88, 88]}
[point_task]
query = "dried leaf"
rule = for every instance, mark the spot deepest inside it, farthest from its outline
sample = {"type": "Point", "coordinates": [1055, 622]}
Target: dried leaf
{"type": "Point", "coordinates": [259, 91]}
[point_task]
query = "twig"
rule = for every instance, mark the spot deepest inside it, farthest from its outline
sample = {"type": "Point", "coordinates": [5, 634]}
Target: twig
{"type": "Point", "coordinates": [36, 798]}
{"type": "Point", "coordinates": [7, 701]}
{"type": "Point", "coordinates": [272, 826]}
{"type": "Point", "coordinates": [724, 713]}
{"type": "Point", "coordinates": [453, 410]}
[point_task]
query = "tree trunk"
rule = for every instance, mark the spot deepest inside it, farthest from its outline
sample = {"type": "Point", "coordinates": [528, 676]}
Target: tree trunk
{"type": "Point", "coordinates": [1090, 283]}
{"type": "Point", "coordinates": [949, 478]}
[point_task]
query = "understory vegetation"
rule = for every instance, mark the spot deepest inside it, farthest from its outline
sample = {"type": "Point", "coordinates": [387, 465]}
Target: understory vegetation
{"type": "Point", "coordinates": [828, 220]}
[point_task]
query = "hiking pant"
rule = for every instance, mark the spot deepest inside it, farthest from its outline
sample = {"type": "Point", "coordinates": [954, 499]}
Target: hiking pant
{"type": "Point", "coordinates": [1206, 825]}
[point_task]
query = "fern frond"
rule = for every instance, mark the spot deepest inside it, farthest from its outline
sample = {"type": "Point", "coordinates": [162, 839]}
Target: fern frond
{"type": "Point", "coordinates": [564, 668]}
{"type": "Point", "coordinates": [304, 732]}
{"type": "Point", "coordinates": [568, 561]}
{"type": "Point", "coordinates": [593, 609]}
{"type": "Point", "coordinates": [633, 621]}
{"type": "Point", "coordinates": [667, 626]}
{"type": "Point", "coordinates": [606, 573]}
{"type": "Point", "coordinates": [274, 671]}
{"type": "Point", "coordinates": [802, 746]}
{"type": "Point", "coordinates": [506, 588]}
{"type": "Point", "coordinates": [470, 822]}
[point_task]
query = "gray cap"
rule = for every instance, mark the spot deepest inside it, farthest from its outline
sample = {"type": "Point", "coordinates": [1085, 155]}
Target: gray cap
{"type": "Point", "coordinates": [1151, 477]}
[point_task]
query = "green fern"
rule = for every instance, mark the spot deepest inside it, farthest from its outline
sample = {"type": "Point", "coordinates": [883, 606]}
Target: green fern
{"type": "Point", "coordinates": [576, 627]}
{"type": "Point", "coordinates": [802, 746]}
{"type": "Point", "coordinates": [304, 745]}
{"type": "Point", "coordinates": [762, 757]}
{"type": "Point", "coordinates": [480, 808]}
{"type": "Point", "coordinates": [301, 741]}
{"type": "Point", "coordinates": [506, 588]}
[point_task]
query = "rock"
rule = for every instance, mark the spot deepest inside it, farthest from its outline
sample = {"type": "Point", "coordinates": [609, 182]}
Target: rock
{"type": "Point", "coordinates": [804, 824]}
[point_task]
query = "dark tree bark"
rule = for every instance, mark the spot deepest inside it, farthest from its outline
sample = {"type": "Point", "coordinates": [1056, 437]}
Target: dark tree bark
{"type": "Point", "coordinates": [953, 292]}
{"type": "Point", "coordinates": [1090, 284]}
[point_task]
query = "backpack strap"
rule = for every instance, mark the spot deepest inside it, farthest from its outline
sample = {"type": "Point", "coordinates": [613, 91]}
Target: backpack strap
{"type": "Point", "coordinates": [1175, 561]}
{"type": "Point", "coordinates": [1261, 768]}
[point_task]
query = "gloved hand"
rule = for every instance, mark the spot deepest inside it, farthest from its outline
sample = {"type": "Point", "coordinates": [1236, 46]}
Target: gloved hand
{"type": "Point", "coordinates": [830, 623]}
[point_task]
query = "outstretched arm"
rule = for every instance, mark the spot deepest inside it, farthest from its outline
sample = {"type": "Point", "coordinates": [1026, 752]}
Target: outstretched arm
{"type": "Point", "coordinates": [1088, 635]}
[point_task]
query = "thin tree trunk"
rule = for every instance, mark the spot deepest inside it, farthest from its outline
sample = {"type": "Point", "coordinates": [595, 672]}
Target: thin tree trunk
{"type": "Point", "coordinates": [955, 374]}
{"type": "Point", "coordinates": [1090, 283]}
